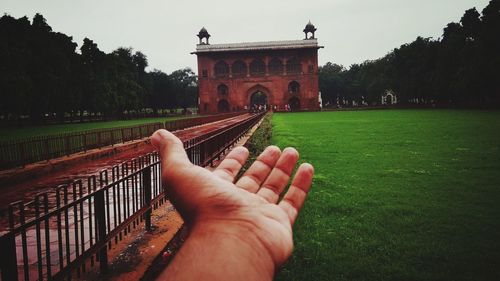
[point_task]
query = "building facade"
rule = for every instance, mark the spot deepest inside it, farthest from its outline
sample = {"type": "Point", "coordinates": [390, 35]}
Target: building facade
{"type": "Point", "coordinates": [282, 75]}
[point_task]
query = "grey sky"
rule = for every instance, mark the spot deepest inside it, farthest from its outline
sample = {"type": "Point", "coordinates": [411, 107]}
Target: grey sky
{"type": "Point", "coordinates": [351, 30]}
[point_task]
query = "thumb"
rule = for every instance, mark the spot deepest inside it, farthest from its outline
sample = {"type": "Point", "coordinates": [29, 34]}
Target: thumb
{"type": "Point", "coordinates": [171, 149]}
{"type": "Point", "coordinates": [177, 172]}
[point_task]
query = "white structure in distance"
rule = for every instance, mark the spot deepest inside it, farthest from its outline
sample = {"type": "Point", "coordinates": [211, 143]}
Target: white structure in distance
{"type": "Point", "coordinates": [389, 98]}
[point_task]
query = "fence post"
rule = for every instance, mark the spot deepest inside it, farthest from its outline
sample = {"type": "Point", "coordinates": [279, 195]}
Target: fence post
{"type": "Point", "coordinates": [47, 156]}
{"type": "Point", "coordinates": [203, 153]}
{"type": "Point", "coordinates": [146, 186]}
{"type": "Point", "coordinates": [23, 153]}
{"type": "Point", "coordinates": [8, 259]}
{"type": "Point", "coordinates": [112, 132]}
{"type": "Point", "coordinates": [84, 142]}
{"type": "Point", "coordinates": [100, 218]}
{"type": "Point", "coordinates": [99, 138]}
{"type": "Point", "coordinates": [66, 145]}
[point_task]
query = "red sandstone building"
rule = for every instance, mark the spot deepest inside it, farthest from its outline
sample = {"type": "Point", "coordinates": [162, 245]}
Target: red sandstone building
{"type": "Point", "coordinates": [276, 74]}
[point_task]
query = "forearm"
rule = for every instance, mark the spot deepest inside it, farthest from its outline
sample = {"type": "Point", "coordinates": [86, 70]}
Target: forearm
{"type": "Point", "coordinates": [220, 253]}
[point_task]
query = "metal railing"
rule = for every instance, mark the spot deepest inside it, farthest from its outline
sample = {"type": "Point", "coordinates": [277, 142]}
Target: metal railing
{"type": "Point", "coordinates": [21, 152]}
{"type": "Point", "coordinates": [203, 150]}
{"type": "Point", "coordinates": [181, 124]}
{"type": "Point", "coordinates": [64, 232]}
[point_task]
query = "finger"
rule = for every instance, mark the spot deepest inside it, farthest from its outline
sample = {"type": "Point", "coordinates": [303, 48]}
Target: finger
{"type": "Point", "coordinates": [171, 149]}
{"type": "Point", "coordinates": [296, 195]}
{"type": "Point", "coordinates": [232, 163]}
{"type": "Point", "coordinates": [260, 169]}
{"type": "Point", "coordinates": [279, 176]}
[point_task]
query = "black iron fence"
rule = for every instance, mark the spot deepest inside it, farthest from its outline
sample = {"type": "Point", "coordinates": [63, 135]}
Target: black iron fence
{"type": "Point", "coordinates": [64, 232]}
{"type": "Point", "coordinates": [21, 152]}
{"type": "Point", "coordinates": [203, 150]}
{"type": "Point", "coordinates": [181, 124]}
{"type": "Point", "coordinates": [49, 119]}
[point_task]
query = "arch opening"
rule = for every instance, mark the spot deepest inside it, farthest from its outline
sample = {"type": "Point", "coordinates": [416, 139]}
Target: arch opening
{"type": "Point", "coordinates": [221, 69]}
{"type": "Point", "coordinates": [239, 69]}
{"type": "Point", "coordinates": [294, 87]}
{"type": "Point", "coordinates": [275, 66]}
{"type": "Point", "coordinates": [294, 104]}
{"type": "Point", "coordinates": [223, 106]}
{"type": "Point", "coordinates": [258, 99]}
{"type": "Point", "coordinates": [257, 67]}
{"type": "Point", "coordinates": [389, 99]}
{"type": "Point", "coordinates": [222, 90]}
{"type": "Point", "coordinates": [293, 66]}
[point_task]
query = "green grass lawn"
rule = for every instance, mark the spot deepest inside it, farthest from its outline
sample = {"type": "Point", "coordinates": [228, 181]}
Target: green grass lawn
{"type": "Point", "coordinates": [397, 195]}
{"type": "Point", "coordinates": [25, 132]}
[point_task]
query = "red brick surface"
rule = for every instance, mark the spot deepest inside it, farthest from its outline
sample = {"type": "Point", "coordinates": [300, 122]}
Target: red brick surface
{"type": "Point", "coordinates": [240, 89]}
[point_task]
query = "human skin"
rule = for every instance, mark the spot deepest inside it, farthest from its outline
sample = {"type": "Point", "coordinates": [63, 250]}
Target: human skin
{"type": "Point", "coordinates": [239, 228]}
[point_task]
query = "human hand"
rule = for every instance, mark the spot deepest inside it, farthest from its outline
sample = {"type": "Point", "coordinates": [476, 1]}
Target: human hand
{"type": "Point", "coordinates": [239, 224]}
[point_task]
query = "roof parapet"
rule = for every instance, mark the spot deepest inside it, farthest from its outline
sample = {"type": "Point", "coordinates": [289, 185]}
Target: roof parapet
{"type": "Point", "coordinates": [258, 46]}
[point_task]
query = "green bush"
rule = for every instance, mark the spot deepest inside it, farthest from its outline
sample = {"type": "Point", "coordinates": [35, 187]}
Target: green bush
{"type": "Point", "coordinates": [260, 139]}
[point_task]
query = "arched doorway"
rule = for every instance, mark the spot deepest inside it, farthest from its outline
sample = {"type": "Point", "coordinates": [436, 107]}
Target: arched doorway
{"type": "Point", "coordinates": [294, 104]}
{"type": "Point", "coordinates": [258, 99]}
{"type": "Point", "coordinates": [388, 99]}
{"type": "Point", "coordinates": [223, 106]}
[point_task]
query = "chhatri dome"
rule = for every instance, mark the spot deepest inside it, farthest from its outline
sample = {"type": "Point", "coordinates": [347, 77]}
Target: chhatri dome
{"type": "Point", "coordinates": [309, 29]}
{"type": "Point", "coordinates": [203, 34]}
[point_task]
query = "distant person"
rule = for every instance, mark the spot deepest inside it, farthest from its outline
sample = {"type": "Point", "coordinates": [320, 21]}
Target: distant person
{"type": "Point", "coordinates": [239, 228]}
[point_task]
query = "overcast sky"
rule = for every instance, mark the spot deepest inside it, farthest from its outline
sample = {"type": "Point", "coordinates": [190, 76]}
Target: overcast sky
{"type": "Point", "coordinates": [352, 31]}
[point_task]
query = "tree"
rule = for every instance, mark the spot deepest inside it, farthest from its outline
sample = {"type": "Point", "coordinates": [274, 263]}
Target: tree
{"type": "Point", "coordinates": [471, 23]}
{"type": "Point", "coordinates": [94, 79]}
{"type": "Point", "coordinates": [16, 85]}
{"type": "Point", "coordinates": [51, 70]}
{"type": "Point", "coordinates": [141, 62]}
{"type": "Point", "coordinates": [488, 46]}
{"type": "Point", "coordinates": [126, 90]}
{"type": "Point", "coordinates": [330, 82]}
{"type": "Point", "coordinates": [162, 95]}
{"type": "Point", "coordinates": [41, 75]}
{"type": "Point", "coordinates": [460, 69]}
{"type": "Point", "coordinates": [185, 85]}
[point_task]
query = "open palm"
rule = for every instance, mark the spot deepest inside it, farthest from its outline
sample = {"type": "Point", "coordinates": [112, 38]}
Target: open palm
{"type": "Point", "coordinates": [217, 201]}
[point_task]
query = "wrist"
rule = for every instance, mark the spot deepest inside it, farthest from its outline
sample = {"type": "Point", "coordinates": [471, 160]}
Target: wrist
{"type": "Point", "coordinates": [239, 246]}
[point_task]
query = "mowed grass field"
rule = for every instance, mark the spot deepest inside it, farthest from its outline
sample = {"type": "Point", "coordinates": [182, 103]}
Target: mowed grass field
{"type": "Point", "coordinates": [12, 133]}
{"type": "Point", "coordinates": [397, 195]}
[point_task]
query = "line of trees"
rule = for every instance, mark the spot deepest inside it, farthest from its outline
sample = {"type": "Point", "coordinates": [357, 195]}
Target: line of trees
{"type": "Point", "coordinates": [462, 68]}
{"type": "Point", "coordinates": [42, 74]}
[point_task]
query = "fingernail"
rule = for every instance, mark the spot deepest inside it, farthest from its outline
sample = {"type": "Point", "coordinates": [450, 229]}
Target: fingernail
{"type": "Point", "coordinates": [309, 166]}
{"type": "Point", "coordinates": [157, 138]}
{"type": "Point", "coordinates": [291, 150]}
